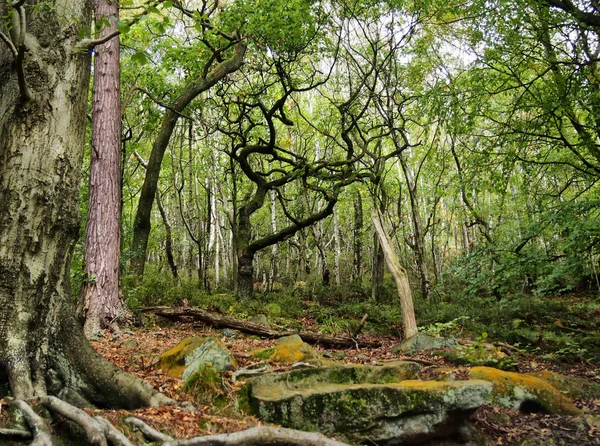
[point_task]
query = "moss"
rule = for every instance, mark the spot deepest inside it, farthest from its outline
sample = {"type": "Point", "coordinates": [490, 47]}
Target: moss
{"type": "Point", "coordinates": [204, 385]}
{"type": "Point", "coordinates": [572, 386]}
{"type": "Point", "coordinates": [172, 361]}
{"type": "Point", "coordinates": [264, 353]}
{"type": "Point", "coordinates": [514, 390]}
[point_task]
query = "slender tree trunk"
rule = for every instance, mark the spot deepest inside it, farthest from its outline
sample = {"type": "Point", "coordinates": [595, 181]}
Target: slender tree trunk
{"type": "Point", "coordinates": [401, 278]}
{"type": "Point", "coordinates": [245, 257]}
{"type": "Point", "coordinates": [141, 228]}
{"type": "Point", "coordinates": [357, 235]}
{"type": "Point", "coordinates": [337, 248]}
{"type": "Point", "coordinates": [417, 244]}
{"type": "Point", "coordinates": [168, 236]}
{"type": "Point", "coordinates": [100, 302]}
{"type": "Point", "coordinates": [42, 346]}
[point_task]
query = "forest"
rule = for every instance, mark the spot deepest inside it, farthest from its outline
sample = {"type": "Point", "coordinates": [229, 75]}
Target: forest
{"type": "Point", "coordinates": [299, 222]}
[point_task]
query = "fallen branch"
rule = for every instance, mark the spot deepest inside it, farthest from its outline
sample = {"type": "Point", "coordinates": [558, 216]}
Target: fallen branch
{"type": "Point", "coordinates": [261, 436]}
{"type": "Point", "coordinates": [40, 430]}
{"type": "Point", "coordinates": [94, 431]}
{"type": "Point", "coordinates": [219, 321]}
{"type": "Point", "coordinates": [149, 432]}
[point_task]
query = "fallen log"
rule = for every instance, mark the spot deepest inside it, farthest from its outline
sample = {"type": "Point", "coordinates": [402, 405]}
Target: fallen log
{"type": "Point", "coordinates": [219, 321]}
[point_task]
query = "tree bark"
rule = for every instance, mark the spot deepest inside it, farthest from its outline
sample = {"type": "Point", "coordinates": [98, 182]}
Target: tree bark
{"type": "Point", "coordinates": [401, 278]}
{"type": "Point", "coordinates": [100, 302]}
{"type": "Point", "coordinates": [42, 346]}
{"type": "Point", "coordinates": [358, 225]}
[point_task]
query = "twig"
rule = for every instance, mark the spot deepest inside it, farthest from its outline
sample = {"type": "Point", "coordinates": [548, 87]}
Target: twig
{"type": "Point", "coordinates": [149, 432]}
{"type": "Point", "coordinates": [93, 430]}
{"type": "Point", "coordinates": [261, 436]}
{"type": "Point", "coordinates": [41, 432]}
{"type": "Point", "coordinates": [250, 370]}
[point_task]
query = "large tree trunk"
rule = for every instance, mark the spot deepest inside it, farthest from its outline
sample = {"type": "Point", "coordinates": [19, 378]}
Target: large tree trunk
{"type": "Point", "coordinates": [100, 302]}
{"type": "Point", "coordinates": [42, 347]}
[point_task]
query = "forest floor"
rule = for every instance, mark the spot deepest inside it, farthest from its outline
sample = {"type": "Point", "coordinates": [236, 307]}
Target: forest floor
{"type": "Point", "coordinates": [137, 352]}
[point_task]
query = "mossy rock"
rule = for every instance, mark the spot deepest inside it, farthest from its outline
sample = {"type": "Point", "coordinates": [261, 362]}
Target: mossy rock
{"type": "Point", "coordinates": [571, 386]}
{"type": "Point", "coordinates": [524, 392]}
{"type": "Point", "coordinates": [484, 355]}
{"type": "Point", "coordinates": [367, 403]}
{"type": "Point", "coordinates": [289, 350]}
{"type": "Point", "coordinates": [421, 342]}
{"type": "Point", "coordinates": [193, 353]}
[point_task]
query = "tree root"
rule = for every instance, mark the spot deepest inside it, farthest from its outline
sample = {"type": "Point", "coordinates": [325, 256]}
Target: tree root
{"type": "Point", "coordinates": [113, 435]}
{"type": "Point", "coordinates": [39, 428]}
{"type": "Point", "coordinates": [94, 431]}
{"type": "Point", "coordinates": [261, 436]}
{"type": "Point", "coordinates": [15, 433]}
{"type": "Point", "coordinates": [149, 432]}
{"type": "Point", "coordinates": [101, 432]}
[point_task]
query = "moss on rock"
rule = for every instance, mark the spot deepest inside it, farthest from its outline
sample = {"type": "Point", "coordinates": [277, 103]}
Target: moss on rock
{"type": "Point", "coordinates": [289, 350]}
{"type": "Point", "coordinates": [524, 392]}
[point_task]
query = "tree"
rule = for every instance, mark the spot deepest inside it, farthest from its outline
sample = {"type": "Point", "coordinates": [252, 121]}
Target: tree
{"type": "Point", "coordinates": [100, 302]}
{"type": "Point", "coordinates": [44, 76]}
{"type": "Point", "coordinates": [214, 69]}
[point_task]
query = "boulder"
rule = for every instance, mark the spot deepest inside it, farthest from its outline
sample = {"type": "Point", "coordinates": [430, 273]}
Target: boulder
{"type": "Point", "coordinates": [261, 319]}
{"type": "Point", "coordinates": [375, 404]}
{"type": "Point", "coordinates": [420, 342]}
{"type": "Point", "coordinates": [289, 350]}
{"type": "Point", "coordinates": [524, 392]}
{"type": "Point", "coordinates": [193, 354]}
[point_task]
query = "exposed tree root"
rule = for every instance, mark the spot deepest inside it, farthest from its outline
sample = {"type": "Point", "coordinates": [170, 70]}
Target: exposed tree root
{"type": "Point", "coordinates": [261, 436]}
{"type": "Point", "coordinates": [94, 431]}
{"type": "Point", "coordinates": [100, 431]}
{"type": "Point", "coordinates": [219, 321]}
{"type": "Point", "coordinates": [39, 428]}
{"type": "Point", "coordinates": [113, 435]}
{"type": "Point", "coordinates": [15, 434]}
{"type": "Point", "coordinates": [149, 432]}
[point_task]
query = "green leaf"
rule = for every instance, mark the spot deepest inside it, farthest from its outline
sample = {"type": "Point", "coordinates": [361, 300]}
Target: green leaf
{"type": "Point", "coordinates": [140, 58]}
{"type": "Point", "coordinates": [123, 27]}
{"type": "Point", "coordinates": [167, 4]}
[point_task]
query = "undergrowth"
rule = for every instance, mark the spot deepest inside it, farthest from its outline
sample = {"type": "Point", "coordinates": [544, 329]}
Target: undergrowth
{"type": "Point", "coordinates": [560, 328]}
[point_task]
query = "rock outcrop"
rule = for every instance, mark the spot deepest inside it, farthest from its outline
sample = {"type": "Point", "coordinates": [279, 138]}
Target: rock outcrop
{"type": "Point", "coordinates": [193, 354]}
{"type": "Point", "coordinates": [523, 392]}
{"type": "Point", "coordinates": [289, 350]}
{"type": "Point", "coordinates": [381, 404]}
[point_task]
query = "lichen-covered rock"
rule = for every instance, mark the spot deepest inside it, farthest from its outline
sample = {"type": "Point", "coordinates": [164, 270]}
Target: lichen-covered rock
{"type": "Point", "coordinates": [192, 354]}
{"type": "Point", "coordinates": [289, 350]}
{"type": "Point", "coordinates": [481, 355]}
{"type": "Point", "coordinates": [571, 386]}
{"type": "Point", "coordinates": [420, 342]}
{"type": "Point", "coordinates": [365, 403]}
{"type": "Point", "coordinates": [524, 392]}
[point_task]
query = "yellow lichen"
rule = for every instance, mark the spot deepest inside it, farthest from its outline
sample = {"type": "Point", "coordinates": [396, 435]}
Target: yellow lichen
{"type": "Point", "coordinates": [509, 384]}
{"type": "Point", "coordinates": [289, 352]}
{"type": "Point", "coordinates": [172, 362]}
